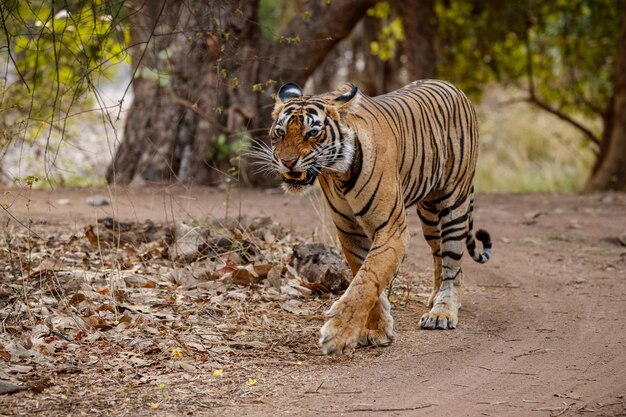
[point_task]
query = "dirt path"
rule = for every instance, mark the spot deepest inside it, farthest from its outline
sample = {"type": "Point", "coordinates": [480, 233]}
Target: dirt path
{"type": "Point", "coordinates": [542, 329]}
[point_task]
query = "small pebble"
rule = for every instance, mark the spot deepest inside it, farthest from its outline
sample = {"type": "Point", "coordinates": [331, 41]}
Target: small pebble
{"type": "Point", "coordinates": [98, 200]}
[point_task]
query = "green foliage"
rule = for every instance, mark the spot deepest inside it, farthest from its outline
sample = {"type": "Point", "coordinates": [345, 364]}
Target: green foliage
{"type": "Point", "coordinates": [260, 87]}
{"type": "Point", "coordinates": [274, 15]}
{"type": "Point", "coordinates": [224, 148]}
{"type": "Point", "coordinates": [391, 32]}
{"type": "Point", "coordinates": [57, 50]}
{"type": "Point", "coordinates": [571, 43]}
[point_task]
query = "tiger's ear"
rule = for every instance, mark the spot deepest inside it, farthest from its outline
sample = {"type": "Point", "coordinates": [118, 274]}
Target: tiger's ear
{"type": "Point", "coordinates": [289, 90]}
{"type": "Point", "coordinates": [346, 97]}
{"type": "Point", "coordinates": [348, 92]}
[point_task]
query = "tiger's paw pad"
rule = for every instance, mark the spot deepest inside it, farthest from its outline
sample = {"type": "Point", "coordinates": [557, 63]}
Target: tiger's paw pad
{"type": "Point", "coordinates": [438, 321]}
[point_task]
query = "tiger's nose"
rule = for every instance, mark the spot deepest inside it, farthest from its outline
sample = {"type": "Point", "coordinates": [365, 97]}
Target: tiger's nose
{"type": "Point", "coordinates": [289, 163]}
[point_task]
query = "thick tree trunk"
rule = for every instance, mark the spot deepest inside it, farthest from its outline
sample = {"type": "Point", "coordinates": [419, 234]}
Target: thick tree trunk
{"type": "Point", "coordinates": [197, 82]}
{"type": "Point", "coordinates": [610, 171]}
{"type": "Point", "coordinates": [184, 66]}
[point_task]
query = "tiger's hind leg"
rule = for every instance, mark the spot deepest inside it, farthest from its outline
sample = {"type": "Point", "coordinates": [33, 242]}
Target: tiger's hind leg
{"type": "Point", "coordinates": [429, 217]}
{"type": "Point", "coordinates": [446, 302]}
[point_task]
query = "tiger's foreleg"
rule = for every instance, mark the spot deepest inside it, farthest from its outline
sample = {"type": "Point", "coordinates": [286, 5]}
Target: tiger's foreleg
{"type": "Point", "coordinates": [362, 315]}
{"type": "Point", "coordinates": [445, 305]}
{"type": "Point", "coordinates": [379, 328]}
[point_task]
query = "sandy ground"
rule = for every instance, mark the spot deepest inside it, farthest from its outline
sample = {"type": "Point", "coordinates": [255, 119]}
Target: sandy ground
{"type": "Point", "coordinates": [542, 329]}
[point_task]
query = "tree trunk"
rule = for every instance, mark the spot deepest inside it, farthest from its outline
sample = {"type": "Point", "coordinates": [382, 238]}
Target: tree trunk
{"type": "Point", "coordinates": [184, 67]}
{"type": "Point", "coordinates": [415, 58]}
{"type": "Point", "coordinates": [610, 170]}
{"type": "Point", "coordinates": [199, 84]}
{"type": "Point", "coordinates": [421, 37]}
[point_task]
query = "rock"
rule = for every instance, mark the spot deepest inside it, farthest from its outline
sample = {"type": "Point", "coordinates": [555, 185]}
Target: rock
{"type": "Point", "coordinates": [616, 240]}
{"type": "Point", "coordinates": [98, 200]}
{"type": "Point", "coordinates": [321, 265]}
{"type": "Point", "coordinates": [188, 241]}
{"type": "Point", "coordinates": [8, 388]}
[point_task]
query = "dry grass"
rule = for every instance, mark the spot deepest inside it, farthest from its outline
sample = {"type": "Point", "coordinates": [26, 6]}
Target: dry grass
{"type": "Point", "coordinates": [523, 149]}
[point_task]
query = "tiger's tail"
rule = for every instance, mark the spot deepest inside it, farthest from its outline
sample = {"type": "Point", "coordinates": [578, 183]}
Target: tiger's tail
{"type": "Point", "coordinates": [481, 235]}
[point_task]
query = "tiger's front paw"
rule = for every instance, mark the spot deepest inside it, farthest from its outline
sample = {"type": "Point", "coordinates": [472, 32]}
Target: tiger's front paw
{"type": "Point", "coordinates": [341, 333]}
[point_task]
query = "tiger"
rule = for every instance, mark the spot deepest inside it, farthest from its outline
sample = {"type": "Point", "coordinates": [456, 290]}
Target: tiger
{"type": "Point", "coordinates": [373, 157]}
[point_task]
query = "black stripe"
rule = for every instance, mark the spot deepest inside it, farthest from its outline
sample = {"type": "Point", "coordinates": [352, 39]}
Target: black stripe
{"type": "Point", "coordinates": [371, 199]}
{"type": "Point", "coordinates": [453, 255]}
{"type": "Point", "coordinates": [453, 230]}
{"type": "Point", "coordinates": [355, 169]}
{"type": "Point", "coordinates": [383, 224]}
{"type": "Point", "coordinates": [356, 255]}
{"type": "Point", "coordinates": [427, 221]}
{"type": "Point", "coordinates": [456, 221]}
{"type": "Point", "coordinates": [355, 234]}
{"type": "Point", "coordinates": [453, 277]}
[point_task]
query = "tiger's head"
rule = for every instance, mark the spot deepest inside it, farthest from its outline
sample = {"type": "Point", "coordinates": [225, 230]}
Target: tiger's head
{"type": "Point", "coordinates": [309, 135]}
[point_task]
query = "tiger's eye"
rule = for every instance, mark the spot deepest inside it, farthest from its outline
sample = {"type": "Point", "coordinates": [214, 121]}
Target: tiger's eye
{"type": "Point", "coordinates": [312, 134]}
{"type": "Point", "coordinates": [279, 131]}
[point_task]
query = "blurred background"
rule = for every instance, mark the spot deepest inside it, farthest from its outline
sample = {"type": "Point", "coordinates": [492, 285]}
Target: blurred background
{"type": "Point", "coordinates": [145, 91]}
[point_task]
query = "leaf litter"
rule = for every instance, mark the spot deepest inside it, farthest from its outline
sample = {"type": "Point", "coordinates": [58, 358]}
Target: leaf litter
{"type": "Point", "coordinates": [87, 314]}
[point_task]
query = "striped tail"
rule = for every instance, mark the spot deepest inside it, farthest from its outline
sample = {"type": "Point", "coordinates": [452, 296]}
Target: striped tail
{"type": "Point", "coordinates": [485, 239]}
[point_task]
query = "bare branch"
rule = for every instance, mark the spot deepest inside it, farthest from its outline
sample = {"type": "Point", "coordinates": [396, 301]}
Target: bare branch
{"type": "Point", "coordinates": [533, 99]}
{"type": "Point", "coordinates": [544, 106]}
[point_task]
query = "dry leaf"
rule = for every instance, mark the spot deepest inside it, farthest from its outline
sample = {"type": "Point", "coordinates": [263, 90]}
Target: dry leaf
{"type": "Point", "coordinates": [177, 353]}
{"type": "Point", "coordinates": [229, 267]}
{"type": "Point", "coordinates": [246, 275]}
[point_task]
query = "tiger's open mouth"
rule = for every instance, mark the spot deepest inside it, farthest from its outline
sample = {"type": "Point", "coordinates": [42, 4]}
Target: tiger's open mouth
{"type": "Point", "coordinates": [299, 177]}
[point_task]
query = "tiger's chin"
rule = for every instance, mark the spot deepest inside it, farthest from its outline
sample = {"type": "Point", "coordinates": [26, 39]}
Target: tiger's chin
{"type": "Point", "coordinates": [298, 182]}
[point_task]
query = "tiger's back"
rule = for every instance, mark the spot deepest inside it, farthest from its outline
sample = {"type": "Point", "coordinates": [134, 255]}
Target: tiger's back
{"type": "Point", "coordinates": [433, 127]}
